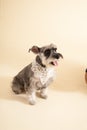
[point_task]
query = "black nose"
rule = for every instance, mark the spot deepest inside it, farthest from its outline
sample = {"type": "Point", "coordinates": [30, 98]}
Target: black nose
{"type": "Point", "coordinates": [56, 55]}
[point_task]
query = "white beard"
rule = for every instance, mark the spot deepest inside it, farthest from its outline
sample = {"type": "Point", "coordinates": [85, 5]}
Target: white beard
{"type": "Point", "coordinates": [44, 74]}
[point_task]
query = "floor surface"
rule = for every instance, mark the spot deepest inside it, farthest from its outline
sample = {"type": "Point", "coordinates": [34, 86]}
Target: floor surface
{"type": "Point", "coordinates": [65, 108]}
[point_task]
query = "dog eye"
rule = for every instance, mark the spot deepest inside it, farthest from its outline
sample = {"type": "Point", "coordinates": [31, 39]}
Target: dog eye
{"type": "Point", "coordinates": [47, 52]}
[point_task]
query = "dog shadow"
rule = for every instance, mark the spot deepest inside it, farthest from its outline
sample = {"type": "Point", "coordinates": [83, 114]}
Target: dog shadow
{"type": "Point", "coordinates": [70, 78]}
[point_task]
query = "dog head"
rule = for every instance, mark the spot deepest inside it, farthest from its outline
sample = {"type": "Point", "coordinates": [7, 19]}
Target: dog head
{"type": "Point", "coordinates": [46, 55]}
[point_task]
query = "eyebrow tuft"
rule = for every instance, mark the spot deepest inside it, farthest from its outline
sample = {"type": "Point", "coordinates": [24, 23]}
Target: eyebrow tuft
{"type": "Point", "coordinates": [54, 49]}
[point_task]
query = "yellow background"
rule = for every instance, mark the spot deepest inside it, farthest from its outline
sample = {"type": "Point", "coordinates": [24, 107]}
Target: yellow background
{"type": "Point", "coordinates": [24, 23]}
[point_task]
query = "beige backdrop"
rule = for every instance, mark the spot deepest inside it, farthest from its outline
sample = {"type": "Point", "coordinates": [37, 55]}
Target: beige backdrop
{"type": "Point", "coordinates": [24, 23]}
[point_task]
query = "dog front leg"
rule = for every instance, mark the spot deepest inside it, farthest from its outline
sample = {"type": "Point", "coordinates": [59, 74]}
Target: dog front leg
{"type": "Point", "coordinates": [43, 93]}
{"type": "Point", "coordinates": [31, 94]}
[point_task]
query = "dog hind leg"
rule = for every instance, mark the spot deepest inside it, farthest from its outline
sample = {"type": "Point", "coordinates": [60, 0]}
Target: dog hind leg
{"type": "Point", "coordinates": [17, 86]}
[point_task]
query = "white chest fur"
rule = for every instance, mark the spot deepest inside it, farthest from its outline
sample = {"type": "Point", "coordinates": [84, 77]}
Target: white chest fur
{"type": "Point", "coordinates": [42, 73]}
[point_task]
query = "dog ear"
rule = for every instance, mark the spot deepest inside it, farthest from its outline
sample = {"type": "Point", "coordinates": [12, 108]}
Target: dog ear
{"type": "Point", "coordinates": [35, 49]}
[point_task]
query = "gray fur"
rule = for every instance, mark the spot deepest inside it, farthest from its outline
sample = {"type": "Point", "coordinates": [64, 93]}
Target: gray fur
{"type": "Point", "coordinates": [28, 80]}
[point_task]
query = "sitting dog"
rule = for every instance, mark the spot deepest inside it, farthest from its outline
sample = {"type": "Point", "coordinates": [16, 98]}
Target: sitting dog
{"type": "Point", "coordinates": [39, 74]}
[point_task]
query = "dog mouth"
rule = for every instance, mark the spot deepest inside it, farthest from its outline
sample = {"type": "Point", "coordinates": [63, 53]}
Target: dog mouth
{"type": "Point", "coordinates": [54, 63]}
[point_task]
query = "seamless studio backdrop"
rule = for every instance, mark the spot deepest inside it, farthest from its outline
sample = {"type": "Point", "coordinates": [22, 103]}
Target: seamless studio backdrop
{"type": "Point", "coordinates": [24, 23]}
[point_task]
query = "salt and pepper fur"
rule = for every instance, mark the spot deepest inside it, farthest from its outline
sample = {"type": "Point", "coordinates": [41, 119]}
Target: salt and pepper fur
{"type": "Point", "coordinates": [39, 74]}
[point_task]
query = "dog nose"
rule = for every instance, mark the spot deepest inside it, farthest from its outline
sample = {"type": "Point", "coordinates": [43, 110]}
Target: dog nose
{"type": "Point", "coordinates": [56, 55]}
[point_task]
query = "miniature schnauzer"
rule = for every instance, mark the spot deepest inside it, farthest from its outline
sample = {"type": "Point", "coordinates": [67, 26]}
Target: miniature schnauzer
{"type": "Point", "coordinates": [39, 74]}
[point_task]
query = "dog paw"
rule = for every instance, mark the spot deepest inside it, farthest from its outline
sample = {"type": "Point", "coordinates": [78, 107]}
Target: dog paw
{"type": "Point", "coordinates": [43, 96]}
{"type": "Point", "coordinates": [32, 102]}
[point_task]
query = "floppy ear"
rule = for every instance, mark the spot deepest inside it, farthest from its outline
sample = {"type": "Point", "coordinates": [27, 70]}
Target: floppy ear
{"type": "Point", "coordinates": [35, 49]}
